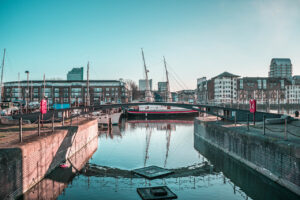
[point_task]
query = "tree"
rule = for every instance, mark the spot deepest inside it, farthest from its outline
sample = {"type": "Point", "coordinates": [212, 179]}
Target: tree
{"type": "Point", "coordinates": [133, 91]}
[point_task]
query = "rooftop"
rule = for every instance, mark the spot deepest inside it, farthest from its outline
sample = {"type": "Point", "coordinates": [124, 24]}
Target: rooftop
{"type": "Point", "coordinates": [226, 74]}
{"type": "Point", "coordinates": [281, 61]}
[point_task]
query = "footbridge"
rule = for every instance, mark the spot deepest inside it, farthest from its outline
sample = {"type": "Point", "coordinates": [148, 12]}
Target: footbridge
{"type": "Point", "coordinates": [227, 113]}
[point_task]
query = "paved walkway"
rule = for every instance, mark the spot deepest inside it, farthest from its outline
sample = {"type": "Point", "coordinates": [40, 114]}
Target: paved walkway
{"type": "Point", "coordinates": [276, 131]}
{"type": "Point", "coordinates": [9, 134]}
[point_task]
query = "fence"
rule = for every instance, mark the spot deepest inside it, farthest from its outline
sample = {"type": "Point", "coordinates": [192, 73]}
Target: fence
{"type": "Point", "coordinates": [34, 124]}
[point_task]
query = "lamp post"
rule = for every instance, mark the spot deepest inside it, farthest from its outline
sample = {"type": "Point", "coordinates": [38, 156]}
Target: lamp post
{"type": "Point", "coordinates": [27, 91]}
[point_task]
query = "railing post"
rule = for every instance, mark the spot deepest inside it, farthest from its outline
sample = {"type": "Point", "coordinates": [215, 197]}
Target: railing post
{"type": "Point", "coordinates": [21, 129]}
{"type": "Point", "coordinates": [285, 129]}
{"type": "Point", "coordinates": [53, 122]}
{"type": "Point", "coordinates": [63, 118]}
{"type": "Point", "coordinates": [248, 122]}
{"type": "Point", "coordinates": [264, 124]}
{"type": "Point", "coordinates": [39, 125]}
{"type": "Point", "coordinates": [235, 119]}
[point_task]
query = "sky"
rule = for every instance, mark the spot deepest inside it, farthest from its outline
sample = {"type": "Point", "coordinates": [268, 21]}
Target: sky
{"type": "Point", "coordinates": [198, 38]}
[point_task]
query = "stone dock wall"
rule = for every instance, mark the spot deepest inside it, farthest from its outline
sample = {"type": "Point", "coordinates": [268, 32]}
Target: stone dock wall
{"type": "Point", "coordinates": [26, 164]}
{"type": "Point", "coordinates": [277, 159]}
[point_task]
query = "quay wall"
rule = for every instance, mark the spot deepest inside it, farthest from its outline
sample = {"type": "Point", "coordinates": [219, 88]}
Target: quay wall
{"type": "Point", "coordinates": [55, 183]}
{"type": "Point", "coordinates": [23, 165]}
{"type": "Point", "coordinates": [274, 158]}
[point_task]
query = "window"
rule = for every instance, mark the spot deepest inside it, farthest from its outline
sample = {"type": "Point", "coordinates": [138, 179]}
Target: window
{"type": "Point", "coordinates": [264, 84]}
{"type": "Point", "coordinates": [97, 90]}
{"type": "Point", "coordinates": [259, 84]}
{"type": "Point", "coordinates": [282, 84]}
{"type": "Point", "coordinates": [241, 84]}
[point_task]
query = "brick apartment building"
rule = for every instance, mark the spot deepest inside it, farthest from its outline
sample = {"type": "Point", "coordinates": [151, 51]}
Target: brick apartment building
{"type": "Point", "coordinates": [66, 91]}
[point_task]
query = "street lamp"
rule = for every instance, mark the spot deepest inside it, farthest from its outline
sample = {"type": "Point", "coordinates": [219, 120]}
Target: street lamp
{"type": "Point", "coordinates": [27, 91]}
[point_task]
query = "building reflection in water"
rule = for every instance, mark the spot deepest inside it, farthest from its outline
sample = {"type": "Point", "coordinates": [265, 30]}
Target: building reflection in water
{"type": "Point", "coordinates": [213, 174]}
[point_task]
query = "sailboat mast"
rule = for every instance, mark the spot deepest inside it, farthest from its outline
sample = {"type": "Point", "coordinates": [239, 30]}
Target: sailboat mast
{"type": "Point", "coordinates": [19, 87]}
{"type": "Point", "coordinates": [88, 85]}
{"type": "Point", "coordinates": [148, 96]}
{"type": "Point", "coordinates": [169, 96]}
{"type": "Point", "coordinates": [3, 60]}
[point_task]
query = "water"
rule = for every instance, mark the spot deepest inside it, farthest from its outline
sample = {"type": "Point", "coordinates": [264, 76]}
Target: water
{"type": "Point", "coordinates": [169, 144]}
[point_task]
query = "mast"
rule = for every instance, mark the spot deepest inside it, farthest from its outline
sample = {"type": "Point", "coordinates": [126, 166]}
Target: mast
{"type": "Point", "coordinates": [168, 137]}
{"type": "Point", "coordinates": [3, 60]}
{"type": "Point", "coordinates": [169, 96]}
{"type": "Point", "coordinates": [88, 85]}
{"type": "Point", "coordinates": [19, 96]}
{"type": "Point", "coordinates": [148, 95]}
{"type": "Point", "coordinates": [44, 86]}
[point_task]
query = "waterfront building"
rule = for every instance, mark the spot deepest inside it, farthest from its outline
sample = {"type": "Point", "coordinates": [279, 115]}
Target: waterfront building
{"type": "Point", "coordinates": [292, 92]}
{"type": "Point", "coordinates": [202, 90]}
{"type": "Point", "coordinates": [162, 86]}
{"type": "Point", "coordinates": [225, 86]}
{"type": "Point", "coordinates": [142, 84]}
{"type": "Point", "coordinates": [76, 74]}
{"type": "Point", "coordinates": [281, 68]}
{"type": "Point", "coordinates": [265, 90]}
{"type": "Point", "coordinates": [188, 96]}
{"type": "Point", "coordinates": [65, 91]}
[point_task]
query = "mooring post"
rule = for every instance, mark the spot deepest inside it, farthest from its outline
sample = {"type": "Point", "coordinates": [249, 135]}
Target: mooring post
{"type": "Point", "coordinates": [53, 122]}
{"type": "Point", "coordinates": [20, 129]}
{"type": "Point", "coordinates": [248, 122]}
{"type": "Point", "coordinates": [264, 124]}
{"type": "Point", "coordinates": [39, 125]}
{"type": "Point", "coordinates": [285, 129]}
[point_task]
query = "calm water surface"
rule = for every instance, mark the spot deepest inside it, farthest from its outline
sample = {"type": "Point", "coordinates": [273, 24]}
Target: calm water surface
{"type": "Point", "coordinates": [143, 143]}
{"type": "Point", "coordinates": [169, 144]}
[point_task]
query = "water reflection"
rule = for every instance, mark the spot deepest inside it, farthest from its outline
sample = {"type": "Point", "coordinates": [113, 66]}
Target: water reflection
{"type": "Point", "coordinates": [54, 184]}
{"type": "Point", "coordinates": [253, 184]}
{"type": "Point", "coordinates": [201, 172]}
{"type": "Point", "coordinates": [141, 143]}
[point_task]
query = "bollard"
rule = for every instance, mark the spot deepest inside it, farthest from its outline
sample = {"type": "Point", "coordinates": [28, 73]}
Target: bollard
{"type": "Point", "coordinates": [77, 119]}
{"type": "Point", "coordinates": [39, 126]}
{"type": "Point", "coordinates": [63, 118]}
{"type": "Point", "coordinates": [264, 124]}
{"type": "Point", "coordinates": [71, 121]}
{"type": "Point", "coordinates": [20, 129]}
{"type": "Point", "coordinates": [53, 122]}
{"type": "Point", "coordinates": [248, 122]}
{"type": "Point", "coordinates": [285, 129]}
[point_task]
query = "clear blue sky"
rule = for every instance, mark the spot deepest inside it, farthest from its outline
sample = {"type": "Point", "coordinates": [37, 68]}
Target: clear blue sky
{"type": "Point", "coordinates": [198, 38]}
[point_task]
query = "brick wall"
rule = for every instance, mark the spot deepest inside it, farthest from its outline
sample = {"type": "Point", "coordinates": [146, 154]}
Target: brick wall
{"type": "Point", "coordinates": [37, 158]}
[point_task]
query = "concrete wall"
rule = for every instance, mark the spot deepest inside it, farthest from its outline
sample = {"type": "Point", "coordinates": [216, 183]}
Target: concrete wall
{"type": "Point", "coordinates": [255, 185]}
{"type": "Point", "coordinates": [38, 157]}
{"type": "Point", "coordinates": [276, 159]}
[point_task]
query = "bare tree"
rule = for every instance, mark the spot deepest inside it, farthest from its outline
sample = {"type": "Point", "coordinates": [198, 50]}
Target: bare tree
{"type": "Point", "coordinates": [132, 89]}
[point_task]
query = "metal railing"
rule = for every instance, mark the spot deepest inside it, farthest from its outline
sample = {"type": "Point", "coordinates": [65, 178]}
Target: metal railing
{"type": "Point", "coordinates": [57, 118]}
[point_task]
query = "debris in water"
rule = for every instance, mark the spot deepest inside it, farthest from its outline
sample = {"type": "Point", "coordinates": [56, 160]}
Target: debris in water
{"type": "Point", "coordinates": [152, 172]}
{"type": "Point", "coordinates": [156, 193]}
